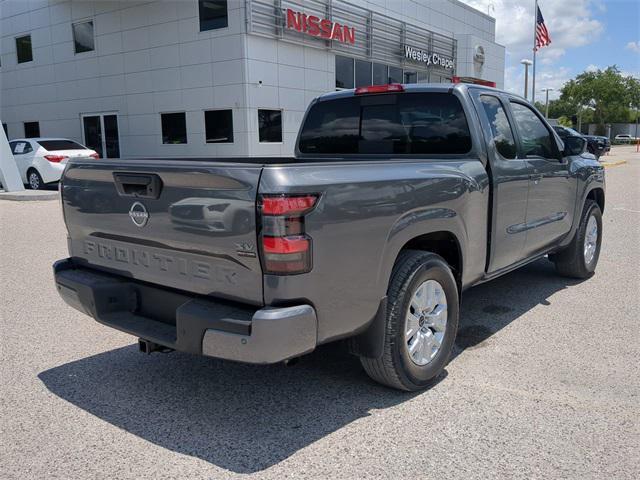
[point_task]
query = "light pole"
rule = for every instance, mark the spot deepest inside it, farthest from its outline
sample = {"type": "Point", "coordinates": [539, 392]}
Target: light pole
{"type": "Point", "coordinates": [546, 104]}
{"type": "Point", "coordinates": [527, 64]}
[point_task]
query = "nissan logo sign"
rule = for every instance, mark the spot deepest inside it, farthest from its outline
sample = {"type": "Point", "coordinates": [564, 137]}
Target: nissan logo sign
{"type": "Point", "coordinates": [138, 214]}
{"type": "Point", "coordinates": [478, 55]}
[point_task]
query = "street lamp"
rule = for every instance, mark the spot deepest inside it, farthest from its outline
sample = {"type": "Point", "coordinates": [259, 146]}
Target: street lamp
{"type": "Point", "coordinates": [527, 64]}
{"type": "Point", "coordinates": [546, 108]}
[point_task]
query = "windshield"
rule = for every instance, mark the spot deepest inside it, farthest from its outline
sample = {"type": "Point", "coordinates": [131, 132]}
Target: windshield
{"type": "Point", "coordinates": [405, 123]}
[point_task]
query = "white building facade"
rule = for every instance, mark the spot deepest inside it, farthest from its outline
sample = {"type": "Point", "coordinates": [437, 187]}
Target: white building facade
{"type": "Point", "coordinates": [220, 78]}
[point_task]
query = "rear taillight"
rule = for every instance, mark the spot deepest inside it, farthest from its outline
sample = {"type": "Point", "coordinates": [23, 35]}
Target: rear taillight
{"type": "Point", "coordinates": [286, 249]}
{"type": "Point", "coordinates": [56, 158]}
{"type": "Point", "coordinates": [95, 155]}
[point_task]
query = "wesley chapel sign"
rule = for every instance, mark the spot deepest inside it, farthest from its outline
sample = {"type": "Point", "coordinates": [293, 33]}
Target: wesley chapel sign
{"type": "Point", "coordinates": [422, 56]}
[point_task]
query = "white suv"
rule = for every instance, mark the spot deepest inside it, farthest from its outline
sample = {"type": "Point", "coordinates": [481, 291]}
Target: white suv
{"type": "Point", "coordinates": [42, 160]}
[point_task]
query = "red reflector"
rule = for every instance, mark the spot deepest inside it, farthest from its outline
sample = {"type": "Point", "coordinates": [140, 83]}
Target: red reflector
{"type": "Point", "coordinates": [287, 205]}
{"type": "Point", "coordinates": [95, 155]}
{"type": "Point", "coordinates": [285, 245]}
{"type": "Point", "coordinates": [392, 87]}
{"type": "Point", "coordinates": [55, 158]}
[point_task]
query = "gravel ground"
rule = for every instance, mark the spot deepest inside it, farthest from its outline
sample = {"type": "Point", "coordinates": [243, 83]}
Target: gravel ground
{"type": "Point", "coordinates": [543, 384]}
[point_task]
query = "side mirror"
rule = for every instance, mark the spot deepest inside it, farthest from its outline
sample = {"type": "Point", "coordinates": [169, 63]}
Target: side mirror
{"type": "Point", "coordinates": [574, 146]}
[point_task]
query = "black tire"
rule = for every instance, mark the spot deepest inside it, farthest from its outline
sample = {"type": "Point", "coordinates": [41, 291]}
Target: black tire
{"type": "Point", "coordinates": [34, 180]}
{"type": "Point", "coordinates": [571, 261]}
{"type": "Point", "coordinates": [395, 368]}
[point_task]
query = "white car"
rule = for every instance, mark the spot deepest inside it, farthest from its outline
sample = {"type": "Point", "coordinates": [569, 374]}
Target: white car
{"type": "Point", "coordinates": [625, 137]}
{"type": "Point", "coordinates": [42, 160]}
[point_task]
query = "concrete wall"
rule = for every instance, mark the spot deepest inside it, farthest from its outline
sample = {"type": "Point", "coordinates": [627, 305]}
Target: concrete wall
{"type": "Point", "coordinates": [151, 58]}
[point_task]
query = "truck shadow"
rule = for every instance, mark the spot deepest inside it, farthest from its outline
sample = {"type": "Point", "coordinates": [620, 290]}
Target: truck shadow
{"type": "Point", "coordinates": [247, 418]}
{"type": "Point", "coordinates": [490, 307]}
{"type": "Point", "coordinates": [239, 417]}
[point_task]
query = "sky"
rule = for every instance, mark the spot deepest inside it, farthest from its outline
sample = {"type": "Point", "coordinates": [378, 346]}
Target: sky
{"type": "Point", "coordinates": [585, 35]}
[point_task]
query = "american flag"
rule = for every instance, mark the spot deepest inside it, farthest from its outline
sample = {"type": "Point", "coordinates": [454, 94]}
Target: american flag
{"type": "Point", "coordinates": [542, 34]}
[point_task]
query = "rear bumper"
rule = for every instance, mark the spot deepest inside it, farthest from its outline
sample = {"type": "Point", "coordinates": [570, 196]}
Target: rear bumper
{"type": "Point", "coordinates": [50, 172]}
{"type": "Point", "coordinates": [188, 323]}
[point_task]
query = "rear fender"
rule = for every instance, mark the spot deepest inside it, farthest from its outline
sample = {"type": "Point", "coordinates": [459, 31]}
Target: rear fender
{"type": "Point", "coordinates": [418, 223]}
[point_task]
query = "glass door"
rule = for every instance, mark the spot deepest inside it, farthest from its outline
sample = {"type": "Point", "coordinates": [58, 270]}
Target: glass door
{"type": "Point", "coordinates": [100, 132]}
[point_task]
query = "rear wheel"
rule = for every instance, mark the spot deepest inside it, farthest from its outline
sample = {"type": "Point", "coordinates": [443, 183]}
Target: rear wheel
{"type": "Point", "coordinates": [580, 258]}
{"type": "Point", "coordinates": [35, 180]}
{"type": "Point", "coordinates": [421, 324]}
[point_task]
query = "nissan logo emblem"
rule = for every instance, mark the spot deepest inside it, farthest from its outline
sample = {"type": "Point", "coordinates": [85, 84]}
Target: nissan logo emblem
{"type": "Point", "coordinates": [138, 214]}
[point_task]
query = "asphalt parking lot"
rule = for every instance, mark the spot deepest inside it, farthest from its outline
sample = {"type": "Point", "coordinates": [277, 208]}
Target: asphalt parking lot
{"type": "Point", "coordinates": [544, 382]}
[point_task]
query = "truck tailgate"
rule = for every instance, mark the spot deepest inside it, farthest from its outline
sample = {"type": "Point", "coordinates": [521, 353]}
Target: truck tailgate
{"type": "Point", "coordinates": [189, 225]}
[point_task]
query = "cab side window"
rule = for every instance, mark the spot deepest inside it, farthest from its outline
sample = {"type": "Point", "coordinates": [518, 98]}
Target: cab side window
{"type": "Point", "coordinates": [500, 126]}
{"type": "Point", "coordinates": [536, 139]}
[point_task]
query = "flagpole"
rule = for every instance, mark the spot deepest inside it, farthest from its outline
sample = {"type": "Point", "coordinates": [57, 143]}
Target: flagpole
{"type": "Point", "coordinates": [535, 26]}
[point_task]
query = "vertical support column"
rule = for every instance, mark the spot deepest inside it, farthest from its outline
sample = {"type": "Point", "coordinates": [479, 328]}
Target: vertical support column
{"type": "Point", "coordinates": [403, 38]}
{"type": "Point", "coordinates": [329, 10]}
{"type": "Point", "coordinates": [279, 16]}
{"type": "Point", "coordinates": [369, 31]}
{"type": "Point", "coordinates": [9, 175]}
{"type": "Point", "coordinates": [248, 16]}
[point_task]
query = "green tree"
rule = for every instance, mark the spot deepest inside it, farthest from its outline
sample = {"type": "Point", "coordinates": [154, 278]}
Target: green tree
{"type": "Point", "coordinates": [564, 121]}
{"type": "Point", "coordinates": [606, 93]}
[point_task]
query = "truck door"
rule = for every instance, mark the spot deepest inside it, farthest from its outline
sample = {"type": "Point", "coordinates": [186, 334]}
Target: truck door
{"type": "Point", "coordinates": [510, 178]}
{"type": "Point", "coordinates": [552, 190]}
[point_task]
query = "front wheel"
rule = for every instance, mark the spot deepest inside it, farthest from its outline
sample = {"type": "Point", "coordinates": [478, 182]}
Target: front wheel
{"type": "Point", "coordinates": [580, 258]}
{"type": "Point", "coordinates": [421, 324]}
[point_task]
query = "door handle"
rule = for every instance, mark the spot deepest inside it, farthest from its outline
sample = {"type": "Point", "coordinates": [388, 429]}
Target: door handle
{"type": "Point", "coordinates": [138, 185]}
{"type": "Point", "coordinates": [536, 177]}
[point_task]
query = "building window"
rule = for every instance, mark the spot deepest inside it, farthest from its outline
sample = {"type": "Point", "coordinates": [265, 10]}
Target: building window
{"type": "Point", "coordinates": [423, 77]}
{"type": "Point", "coordinates": [23, 49]}
{"type": "Point", "coordinates": [270, 125]}
{"type": "Point", "coordinates": [31, 129]}
{"type": "Point", "coordinates": [363, 73]}
{"type": "Point", "coordinates": [218, 126]}
{"type": "Point", "coordinates": [410, 77]}
{"type": "Point", "coordinates": [83, 40]}
{"type": "Point", "coordinates": [213, 14]}
{"type": "Point", "coordinates": [344, 72]}
{"type": "Point", "coordinates": [380, 74]}
{"type": "Point", "coordinates": [395, 75]}
{"type": "Point", "coordinates": [174, 128]}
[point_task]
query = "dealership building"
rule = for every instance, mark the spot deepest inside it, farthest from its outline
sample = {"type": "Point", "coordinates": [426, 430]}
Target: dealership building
{"type": "Point", "coordinates": [213, 78]}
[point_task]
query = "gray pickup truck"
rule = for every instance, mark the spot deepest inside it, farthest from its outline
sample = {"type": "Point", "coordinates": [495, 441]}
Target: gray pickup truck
{"type": "Point", "coordinates": [397, 200]}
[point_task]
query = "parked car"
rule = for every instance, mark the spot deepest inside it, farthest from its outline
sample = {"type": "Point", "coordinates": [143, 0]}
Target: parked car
{"type": "Point", "coordinates": [42, 160]}
{"type": "Point", "coordinates": [598, 144]}
{"type": "Point", "coordinates": [624, 138]}
{"type": "Point", "coordinates": [595, 145]}
{"type": "Point", "coordinates": [398, 199]}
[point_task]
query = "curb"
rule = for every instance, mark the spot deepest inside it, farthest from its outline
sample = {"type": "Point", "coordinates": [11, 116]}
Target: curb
{"type": "Point", "coordinates": [28, 196]}
{"type": "Point", "coordinates": [613, 164]}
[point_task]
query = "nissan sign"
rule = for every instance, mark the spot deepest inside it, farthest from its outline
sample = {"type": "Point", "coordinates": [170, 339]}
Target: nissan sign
{"type": "Point", "coordinates": [320, 27]}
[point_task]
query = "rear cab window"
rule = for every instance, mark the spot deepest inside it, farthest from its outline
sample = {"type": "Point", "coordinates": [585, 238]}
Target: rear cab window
{"type": "Point", "coordinates": [426, 123]}
{"type": "Point", "coordinates": [53, 145]}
